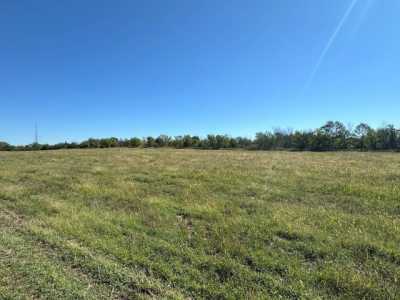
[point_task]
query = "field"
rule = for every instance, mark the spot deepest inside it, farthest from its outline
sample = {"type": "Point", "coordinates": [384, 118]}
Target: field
{"type": "Point", "coordinates": [190, 224]}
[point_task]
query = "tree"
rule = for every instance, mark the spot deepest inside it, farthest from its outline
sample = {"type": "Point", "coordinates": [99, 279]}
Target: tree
{"type": "Point", "coordinates": [320, 141]}
{"type": "Point", "coordinates": [211, 142]}
{"type": "Point", "coordinates": [337, 135]}
{"type": "Point", "coordinates": [196, 142]}
{"type": "Point", "coordinates": [244, 143]}
{"type": "Point", "coordinates": [187, 141]}
{"type": "Point", "coordinates": [361, 132]}
{"type": "Point", "coordinates": [222, 141]}
{"type": "Point", "coordinates": [264, 141]}
{"type": "Point", "coordinates": [177, 142]}
{"type": "Point", "coordinates": [162, 141]}
{"type": "Point", "coordinates": [150, 142]}
{"type": "Point", "coordinates": [333, 135]}
{"type": "Point", "coordinates": [5, 146]}
{"type": "Point", "coordinates": [134, 142]}
{"type": "Point", "coordinates": [386, 138]}
{"type": "Point", "coordinates": [301, 140]}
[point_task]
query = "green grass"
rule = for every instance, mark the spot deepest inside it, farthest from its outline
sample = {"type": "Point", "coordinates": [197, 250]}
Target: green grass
{"type": "Point", "coordinates": [187, 224]}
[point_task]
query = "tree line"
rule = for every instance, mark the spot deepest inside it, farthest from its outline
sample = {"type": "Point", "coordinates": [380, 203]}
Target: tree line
{"type": "Point", "coordinates": [332, 136]}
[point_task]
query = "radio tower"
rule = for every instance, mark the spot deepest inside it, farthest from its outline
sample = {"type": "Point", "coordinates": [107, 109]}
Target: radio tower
{"type": "Point", "coordinates": [36, 134]}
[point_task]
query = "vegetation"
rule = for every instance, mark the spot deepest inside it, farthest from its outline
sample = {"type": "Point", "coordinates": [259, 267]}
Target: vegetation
{"type": "Point", "coordinates": [164, 223]}
{"type": "Point", "coordinates": [330, 137]}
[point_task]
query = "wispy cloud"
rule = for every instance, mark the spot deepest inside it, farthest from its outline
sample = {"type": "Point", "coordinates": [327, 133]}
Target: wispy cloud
{"type": "Point", "coordinates": [363, 15]}
{"type": "Point", "coordinates": [330, 42]}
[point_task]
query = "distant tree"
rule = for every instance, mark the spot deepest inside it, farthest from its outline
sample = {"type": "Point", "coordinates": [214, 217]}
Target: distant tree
{"type": "Point", "coordinates": [5, 146]}
{"type": "Point", "coordinates": [386, 138]}
{"type": "Point", "coordinates": [84, 144]}
{"type": "Point", "coordinates": [333, 135]}
{"type": "Point", "coordinates": [211, 142]}
{"type": "Point", "coordinates": [222, 141]}
{"type": "Point", "coordinates": [392, 137]}
{"type": "Point", "coordinates": [93, 143]}
{"type": "Point", "coordinates": [177, 142]}
{"type": "Point", "coordinates": [336, 135]}
{"type": "Point", "coordinates": [123, 143]}
{"type": "Point", "coordinates": [187, 141]}
{"type": "Point", "coordinates": [134, 142]}
{"type": "Point", "coordinates": [244, 143]}
{"type": "Point", "coordinates": [361, 133]}
{"type": "Point", "coordinates": [162, 141]}
{"type": "Point", "coordinates": [301, 140]}
{"type": "Point", "coordinates": [150, 142]}
{"type": "Point", "coordinates": [113, 141]}
{"type": "Point", "coordinates": [233, 143]}
{"type": "Point", "coordinates": [108, 142]}
{"type": "Point", "coordinates": [264, 141]}
{"type": "Point", "coordinates": [72, 145]}
{"type": "Point", "coordinates": [196, 141]}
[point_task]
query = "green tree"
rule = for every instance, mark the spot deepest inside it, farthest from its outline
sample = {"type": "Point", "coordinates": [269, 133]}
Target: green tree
{"type": "Point", "coordinates": [134, 142]}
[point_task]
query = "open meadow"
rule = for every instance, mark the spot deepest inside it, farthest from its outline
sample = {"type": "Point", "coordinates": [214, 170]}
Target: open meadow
{"type": "Point", "coordinates": [193, 224]}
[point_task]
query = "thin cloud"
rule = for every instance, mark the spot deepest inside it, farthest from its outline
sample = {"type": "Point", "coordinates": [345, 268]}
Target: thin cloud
{"type": "Point", "coordinates": [330, 42]}
{"type": "Point", "coordinates": [364, 15]}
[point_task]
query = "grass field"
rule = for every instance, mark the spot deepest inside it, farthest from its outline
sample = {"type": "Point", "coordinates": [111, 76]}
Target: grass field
{"type": "Point", "coordinates": [187, 224]}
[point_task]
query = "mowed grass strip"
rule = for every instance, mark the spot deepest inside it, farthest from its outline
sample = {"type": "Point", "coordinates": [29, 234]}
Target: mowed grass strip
{"type": "Point", "coordinates": [179, 224]}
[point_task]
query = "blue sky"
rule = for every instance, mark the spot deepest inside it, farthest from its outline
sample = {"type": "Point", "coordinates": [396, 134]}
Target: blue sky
{"type": "Point", "coordinates": [136, 68]}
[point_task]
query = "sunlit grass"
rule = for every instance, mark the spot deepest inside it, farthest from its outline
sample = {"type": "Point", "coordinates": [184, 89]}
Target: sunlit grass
{"type": "Point", "coordinates": [121, 223]}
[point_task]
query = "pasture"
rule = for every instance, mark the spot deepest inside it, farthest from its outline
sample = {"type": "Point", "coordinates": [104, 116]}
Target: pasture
{"type": "Point", "coordinates": [193, 224]}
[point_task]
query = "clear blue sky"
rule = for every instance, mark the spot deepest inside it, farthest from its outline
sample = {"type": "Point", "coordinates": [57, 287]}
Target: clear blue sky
{"type": "Point", "coordinates": [136, 68]}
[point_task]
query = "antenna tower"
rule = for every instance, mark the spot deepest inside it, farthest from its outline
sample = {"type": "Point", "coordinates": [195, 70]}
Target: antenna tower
{"type": "Point", "coordinates": [36, 134]}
